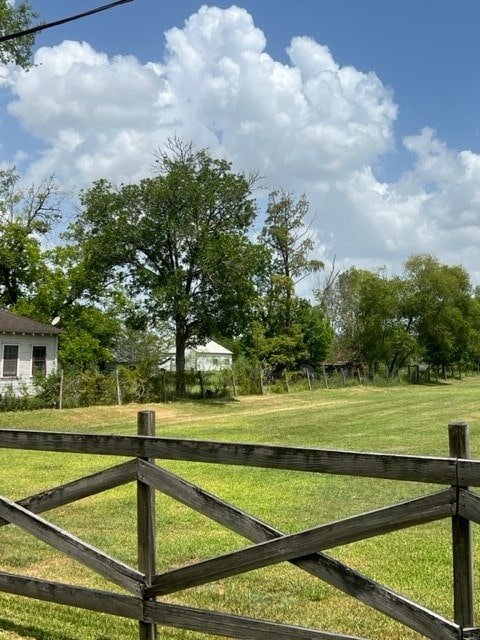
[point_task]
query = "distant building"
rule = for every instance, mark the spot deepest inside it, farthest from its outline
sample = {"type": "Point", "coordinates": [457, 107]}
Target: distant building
{"type": "Point", "coordinates": [204, 357]}
{"type": "Point", "coordinates": [27, 348]}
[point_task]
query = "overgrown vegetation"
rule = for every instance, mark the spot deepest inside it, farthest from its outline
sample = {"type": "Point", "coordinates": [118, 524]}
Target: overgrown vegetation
{"type": "Point", "coordinates": [70, 389]}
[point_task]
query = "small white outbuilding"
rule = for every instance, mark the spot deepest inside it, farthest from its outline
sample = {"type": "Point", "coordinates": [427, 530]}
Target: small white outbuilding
{"type": "Point", "coordinates": [27, 348]}
{"type": "Point", "coordinates": [204, 357]}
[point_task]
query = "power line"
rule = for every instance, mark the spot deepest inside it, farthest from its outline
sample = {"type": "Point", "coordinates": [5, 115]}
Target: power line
{"type": "Point", "coordinates": [47, 25]}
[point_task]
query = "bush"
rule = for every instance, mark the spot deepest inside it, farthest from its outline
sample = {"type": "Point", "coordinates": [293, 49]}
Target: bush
{"type": "Point", "coordinates": [48, 390]}
{"type": "Point", "coordinates": [94, 388]}
{"type": "Point", "coordinates": [9, 401]}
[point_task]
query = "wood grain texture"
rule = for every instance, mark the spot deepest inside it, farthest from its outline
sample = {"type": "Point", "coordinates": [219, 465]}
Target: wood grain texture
{"type": "Point", "coordinates": [92, 599]}
{"type": "Point", "coordinates": [462, 537]}
{"type": "Point", "coordinates": [146, 521]}
{"type": "Point", "coordinates": [114, 570]}
{"type": "Point", "coordinates": [320, 565]}
{"type": "Point", "coordinates": [294, 546]}
{"type": "Point", "coordinates": [468, 472]}
{"type": "Point", "coordinates": [79, 489]}
{"type": "Point", "coordinates": [375, 465]}
{"type": "Point", "coordinates": [469, 505]}
{"type": "Point", "coordinates": [232, 626]}
{"type": "Point", "coordinates": [272, 546]}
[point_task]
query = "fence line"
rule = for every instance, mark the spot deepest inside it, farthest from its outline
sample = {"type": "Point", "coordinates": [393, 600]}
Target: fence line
{"type": "Point", "coordinates": [270, 546]}
{"type": "Point", "coordinates": [375, 465]}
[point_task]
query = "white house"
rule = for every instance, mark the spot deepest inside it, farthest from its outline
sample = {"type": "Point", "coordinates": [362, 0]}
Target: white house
{"type": "Point", "coordinates": [27, 348]}
{"type": "Point", "coordinates": [204, 357]}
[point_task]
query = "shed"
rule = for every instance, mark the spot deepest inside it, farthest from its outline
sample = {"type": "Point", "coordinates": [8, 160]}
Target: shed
{"type": "Point", "coordinates": [203, 357]}
{"type": "Point", "coordinates": [27, 348]}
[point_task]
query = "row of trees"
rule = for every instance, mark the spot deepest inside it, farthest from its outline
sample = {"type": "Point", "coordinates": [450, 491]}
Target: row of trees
{"type": "Point", "coordinates": [430, 313]}
{"type": "Point", "coordinates": [175, 257]}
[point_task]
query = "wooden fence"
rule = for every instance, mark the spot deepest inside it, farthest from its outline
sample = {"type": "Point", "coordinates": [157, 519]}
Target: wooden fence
{"type": "Point", "coordinates": [304, 549]}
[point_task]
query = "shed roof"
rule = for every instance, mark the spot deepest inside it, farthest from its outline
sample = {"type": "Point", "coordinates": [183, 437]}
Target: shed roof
{"type": "Point", "coordinates": [13, 323]}
{"type": "Point", "coordinates": [210, 348]}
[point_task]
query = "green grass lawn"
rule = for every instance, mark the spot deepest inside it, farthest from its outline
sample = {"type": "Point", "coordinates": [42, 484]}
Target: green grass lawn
{"type": "Point", "coordinates": [403, 419]}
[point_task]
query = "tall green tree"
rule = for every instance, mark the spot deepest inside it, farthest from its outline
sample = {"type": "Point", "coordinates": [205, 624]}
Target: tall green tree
{"type": "Point", "coordinates": [180, 239]}
{"type": "Point", "coordinates": [441, 310]}
{"type": "Point", "coordinates": [290, 242]}
{"type": "Point", "coordinates": [89, 325]}
{"type": "Point", "coordinates": [41, 283]}
{"type": "Point", "coordinates": [27, 214]}
{"type": "Point", "coordinates": [278, 338]}
{"type": "Point", "coordinates": [317, 333]}
{"type": "Point", "coordinates": [369, 323]}
{"type": "Point", "coordinates": [429, 312]}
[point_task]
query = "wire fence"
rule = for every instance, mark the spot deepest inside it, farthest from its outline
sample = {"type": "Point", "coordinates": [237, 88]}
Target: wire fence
{"type": "Point", "coordinates": [123, 385]}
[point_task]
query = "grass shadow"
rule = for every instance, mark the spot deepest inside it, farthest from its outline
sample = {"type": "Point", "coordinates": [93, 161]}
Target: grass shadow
{"type": "Point", "coordinates": [32, 632]}
{"type": "Point", "coordinates": [29, 631]}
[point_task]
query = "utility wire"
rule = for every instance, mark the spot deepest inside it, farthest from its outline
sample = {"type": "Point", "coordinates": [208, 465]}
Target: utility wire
{"type": "Point", "coordinates": [47, 25]}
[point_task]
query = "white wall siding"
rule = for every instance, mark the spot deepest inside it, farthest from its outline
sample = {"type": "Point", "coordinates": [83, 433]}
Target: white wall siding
{"type": "Point", "coordinates": [207, 357]}
{"type": "Point", "coordinates": [207, 361]}
{"type": "Point", "coordinates": [24, 379]}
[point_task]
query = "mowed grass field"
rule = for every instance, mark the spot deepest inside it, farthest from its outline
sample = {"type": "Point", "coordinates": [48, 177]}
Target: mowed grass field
{"type": "Point", "coordinates": [416, 562]}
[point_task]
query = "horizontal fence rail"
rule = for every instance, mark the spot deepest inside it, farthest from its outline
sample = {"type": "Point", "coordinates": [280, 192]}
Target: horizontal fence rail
{"type": "Point", "coordinates": [374, 465]}
{"type": "Point", "coordinates": [269, 546]}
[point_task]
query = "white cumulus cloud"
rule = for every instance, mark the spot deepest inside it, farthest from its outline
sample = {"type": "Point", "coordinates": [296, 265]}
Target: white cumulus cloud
{"type": "Point", "coordinates": [310, 125]}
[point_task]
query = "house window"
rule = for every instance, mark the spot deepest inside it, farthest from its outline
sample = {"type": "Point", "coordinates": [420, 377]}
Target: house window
{"type": "Point", "coordinates": [39, 361]}
{"type": "Point", "coordinates": [10, 360]}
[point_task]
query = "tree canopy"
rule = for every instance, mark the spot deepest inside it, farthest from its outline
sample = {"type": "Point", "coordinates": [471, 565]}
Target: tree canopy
{"type": "Point", "coordinates": [176, 253]}
{"type": "Point", "coordinates": [15, 18]}
{"type": "Point", "coordinates": [288, 237]}
{"type": "Point", "coordinates": [429, 313]}
{"type": "Point", "coordinates": [180, 239]}
{"type": "Point", "coordinates": [26, 216]}
{"type": "Point", "coordinates": [288, 331]}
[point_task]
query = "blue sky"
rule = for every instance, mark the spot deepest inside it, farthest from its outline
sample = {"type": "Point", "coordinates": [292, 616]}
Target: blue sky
{"type": "Point", "coordinates": [369, 107]}
{"type": "Point", "coordinates": [427, 50]}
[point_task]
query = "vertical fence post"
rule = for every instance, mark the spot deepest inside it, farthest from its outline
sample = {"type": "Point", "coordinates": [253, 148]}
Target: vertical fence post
{"type": "Point", "coordinates": [325, 379]}
{"type": "Point", "coordinates": [462, 544]}
{"type": "Point", "coordinates": [234, 385]}
{"type": "Point", "coordinates": [146, 533]}
{"type": "Point", "coordinates": [117, 386]}
{"type": "Point", "coordinates": [60, 393]}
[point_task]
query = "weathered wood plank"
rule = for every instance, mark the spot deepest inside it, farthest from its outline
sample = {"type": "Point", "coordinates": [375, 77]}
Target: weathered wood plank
{"type": "Point", "coordinates": [472, 633]}
{"type": "Point", "coordinates": [169, 615]}
{"type": "Point", "coordinates": [92, 599]}
{"type": "Point", "coordinates": [146, 529]}
{"type": "Point", "coordinates": [468, 472]}
{"type": "Point", "coordinates": [376, 465]}
{"type": "Point", "coordinates": [469, 505]}
{"type": "Point", "coordinates": [79, 489]}
{"type": "Point", "coordinates": [232, 626]}
{"type": "Point", "coordinates": [204, 502]}
{"type": "Point", "coordinates": [388, 602]}
{"type": "Point", "coordinates": [462, 537]}
{"type": "Point", "coordinates": [327, 569]}
{"type": "Point", "coordinates": [295, 546]}
{"type": "Point", "coordinates": [112, 569]}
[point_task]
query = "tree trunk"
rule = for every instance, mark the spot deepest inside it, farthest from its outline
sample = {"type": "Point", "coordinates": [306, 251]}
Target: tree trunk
{"type": "Point", "coordinates": [180, 344]}
{"type": "Point", "coordinates": [393, 365]}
